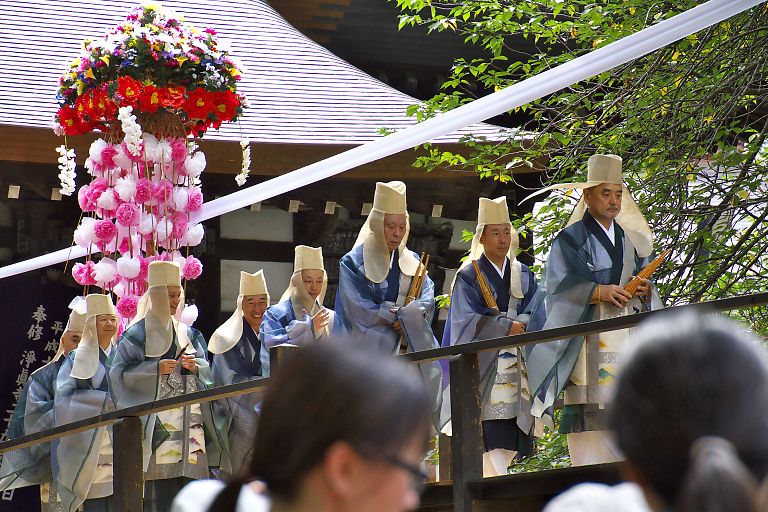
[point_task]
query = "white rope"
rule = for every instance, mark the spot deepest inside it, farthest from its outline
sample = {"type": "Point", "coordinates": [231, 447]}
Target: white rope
{"type": "Point", "coordinates": [598, 61]}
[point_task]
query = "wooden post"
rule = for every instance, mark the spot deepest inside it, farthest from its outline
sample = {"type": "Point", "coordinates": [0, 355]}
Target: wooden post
{"type": "Point", "coordinates": [128, 465]}
{"type": "Point", "coordinates": [467, 440]}
{"type": "Point", "coordinates": [444, 451]}
{"type": "Point", "coordinates": [279, 354]}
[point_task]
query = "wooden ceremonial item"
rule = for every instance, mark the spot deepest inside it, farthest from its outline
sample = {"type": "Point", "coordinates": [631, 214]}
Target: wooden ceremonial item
{"type": "Point", "coordinates": [647, 271]}
{"type": "Point", "coordinates": [418, 279]}
{"type": "Point", "coordinates": [485, 289]}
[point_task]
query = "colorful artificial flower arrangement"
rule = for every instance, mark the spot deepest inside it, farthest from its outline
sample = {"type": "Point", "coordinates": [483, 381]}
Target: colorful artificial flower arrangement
{"type": "Point", "coordinates": [149, 85]}
{"type": "Point", "coordinates": [156, 64]}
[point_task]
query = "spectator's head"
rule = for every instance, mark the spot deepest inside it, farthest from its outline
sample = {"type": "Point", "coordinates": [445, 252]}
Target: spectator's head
{"type": "Point", "coordinates": [690, 414]}
{"type": "Point", "coordinates": [344, 429]}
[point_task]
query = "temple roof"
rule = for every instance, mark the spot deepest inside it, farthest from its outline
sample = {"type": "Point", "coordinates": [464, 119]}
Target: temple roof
{"type": "Point", "coordinates": [300, 93]}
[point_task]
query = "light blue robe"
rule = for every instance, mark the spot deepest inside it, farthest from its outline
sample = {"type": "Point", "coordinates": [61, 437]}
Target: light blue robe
{"type": "Point", "coordinates": [171, 444]}
{"type": "Point", "coordinates": [33, 413]}
{"type": "Point", "coordinates": [364, 315]}
{"type": "Point", "coordinates": [82, 463]}
{"type": "Point", "coordinates": [581, 257]}
{"type": "Point", "coordinates": [504, 386]}
{"type": "Point", "coordinates": [241, 363]}
{"type": "Point", "coordinates": [280, 326]}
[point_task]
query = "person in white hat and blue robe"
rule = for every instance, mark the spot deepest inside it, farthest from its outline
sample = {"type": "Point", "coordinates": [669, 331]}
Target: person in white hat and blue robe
{"type": "Point", "coordinates": [160, 357]}
{"type": "Point", "coordinates": [374, 280]}
{"type": "Point", "coordinates": [508, 427]}
{"type": "Point", "coordinates": [300, 317]}
{"type": "Point", "coordinates": [236, 349]}
{"type": "Point", "coordinates": [34, 413]}
{"type": "Point", "coordinates": [82, 463]}
{"type": "Point", "coordinates": [606, 242]}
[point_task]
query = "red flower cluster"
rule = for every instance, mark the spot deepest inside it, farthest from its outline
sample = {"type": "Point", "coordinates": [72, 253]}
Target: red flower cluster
{"type": "Point", "coordinates": [200, 109]}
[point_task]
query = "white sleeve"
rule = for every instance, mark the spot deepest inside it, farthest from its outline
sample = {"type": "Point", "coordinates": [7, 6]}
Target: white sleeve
{"type": "Point", "coordinates": [626, 497]}
{"type": "Point", "coordinates": [197, 496]}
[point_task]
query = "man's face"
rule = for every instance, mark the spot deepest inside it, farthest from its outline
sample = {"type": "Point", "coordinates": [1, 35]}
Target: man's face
{"type": "Point", "coordinates": [496, 239]}
{"type": "Point", "coordinates": [106, 326]}
{"type": "Point", "coordinates": [174, 298]}
{"type": "Point", "coordinates": [394, 229]}
{"type": "Point", "coordinates": [70, 340]}
{"type": "Point", "coordinates": [313, 282]}
{"type": "Point", "coordinates": [604, 201]}
{"type": "Point", "coordinates": [254, 306]}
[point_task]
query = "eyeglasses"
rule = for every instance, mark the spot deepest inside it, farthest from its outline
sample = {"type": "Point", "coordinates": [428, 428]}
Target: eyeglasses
{"type": "Point", "coordinates": [419, 476]}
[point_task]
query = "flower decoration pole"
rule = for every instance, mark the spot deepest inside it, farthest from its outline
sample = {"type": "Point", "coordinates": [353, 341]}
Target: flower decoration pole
{"type": "Point", "coordinates": [150, 85]}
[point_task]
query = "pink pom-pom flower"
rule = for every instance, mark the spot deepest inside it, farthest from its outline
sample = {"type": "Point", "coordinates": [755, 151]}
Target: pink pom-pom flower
{"type": "Point", "coordinates": [143, 191]}
{"type": "Point", "coordinates": [127, 306]}
{"type": "Point", "coordinates": [96, 188]}
{"type": "Point", "coordinates": [107, 156]}
{"type": "Point", "coordinates": [195, 199]}
{"type": "Point", "coordinates": [83, 199]}
{"type": "Point", "coordinates": [192, 268]}
{"type": "Point", "coordinates": [144, 270]}
{"type": "Point", "coordinates": [162, 191]}
{"type": "Point", "coordinates": [105, 230]}
{"type": "Point", "coordinates": [128, 215]}
{"type": "Point", "coordinates": [179, 226]}
{"type": "Point", "coordinates": [83, 273]}
{"type": "Point", "coordinates": [178, 152]}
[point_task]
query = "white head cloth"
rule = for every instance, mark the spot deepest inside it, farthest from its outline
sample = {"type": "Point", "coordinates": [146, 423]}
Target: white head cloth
{"type": "Point", "coordinates": [607, 169]}
{"type": "Point", "coordinates": [155, 309]}
{"type": "Point", "coordinates": [229, 333]}
{"type": "Point", "coordinates": [495, 211]}
{"type": "Point", "coordinates": [305, 258]}
{"type": "Point", "coordinates": [75, 323]}
{"type": "Point", "coordinates": [389, 198]}
{"type": "Point", "coordinates": [87, 354]}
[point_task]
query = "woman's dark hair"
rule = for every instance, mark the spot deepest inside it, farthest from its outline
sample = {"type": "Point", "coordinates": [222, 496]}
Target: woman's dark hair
{"type": "Point", "coordinates": [690, 412]}
{"type": "Point", "coordinates": [326, 393]}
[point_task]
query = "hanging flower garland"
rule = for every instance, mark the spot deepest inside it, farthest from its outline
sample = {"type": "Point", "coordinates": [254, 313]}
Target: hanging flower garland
{"type": "Point", "coordinates": [149, 84]}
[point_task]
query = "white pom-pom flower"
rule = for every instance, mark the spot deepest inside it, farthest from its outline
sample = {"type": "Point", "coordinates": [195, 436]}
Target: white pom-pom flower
{"type": "Point", "coordinates": [107, 200]}
{"type": "Point", "coordinates": [94, 153]}
{"type": "Point", "coordinates": [180, 198]}
{"type": "Point", "coordinates": [195, 164]}
{"type": "Point", "coordinates": [105, 271]}
{"type": "Point", "coordinates": [122, 160]}
{"type": "Point", "coordinates": [194, 235]}
{"type": "Point", "coordinates": [128, 267]}
{"type": "Point", "coordinates": [147, 223]}
{"type": "Point", "coordinates": [119, 289]}
{"type": "Point", "coordinates": [84, 235]}
{"type": "Point", "coordinates": [126, 188]}
{"type": "Point", "coordinates": [189, 315]}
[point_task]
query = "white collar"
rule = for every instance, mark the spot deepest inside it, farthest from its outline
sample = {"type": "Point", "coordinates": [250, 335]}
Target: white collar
{"type": "Point", "coordinates": [392, 258]}
{"type": "Point", "coordinates": [108, 350]}
{"type": "Point", "coordinates": [611, 231]}
{"type": "Point", "coordinates": [499, 270]}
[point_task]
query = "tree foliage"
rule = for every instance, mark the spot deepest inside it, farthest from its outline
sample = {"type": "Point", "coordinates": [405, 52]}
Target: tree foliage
{"type": "Point", "coordinates": [689, 120]}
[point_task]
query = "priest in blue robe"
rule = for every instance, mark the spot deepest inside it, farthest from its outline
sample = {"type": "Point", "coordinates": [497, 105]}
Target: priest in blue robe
{"type": "Point", "coordinates": [492, 297]}
{"type": "Point", "coordinates": [159, 357]}
{"type": "Point", "coordinates": [605, 244]}
{"type": "Point", "coordinates": [372, 303]}
{"type": "Point", "coordinates": [34, 413]}
{"type": "Point", "coordinates": [299, 318]}
{"type": "Point", "coordinates": [82, 463]}
{"type": "Point", "coordinates": [236, 350]}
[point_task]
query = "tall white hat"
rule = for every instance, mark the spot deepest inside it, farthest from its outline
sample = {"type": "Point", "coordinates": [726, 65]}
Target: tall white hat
{"type": "Point", "coordinates": [389, 198]}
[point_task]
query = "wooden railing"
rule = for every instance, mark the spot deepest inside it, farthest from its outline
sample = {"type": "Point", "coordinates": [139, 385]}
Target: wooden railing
{"type": "Point", "coordinates": [466, 442]}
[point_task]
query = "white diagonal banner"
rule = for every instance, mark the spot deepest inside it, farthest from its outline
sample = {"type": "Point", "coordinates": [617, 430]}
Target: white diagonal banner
{"type": "Point", "coordinates": [603, 59]}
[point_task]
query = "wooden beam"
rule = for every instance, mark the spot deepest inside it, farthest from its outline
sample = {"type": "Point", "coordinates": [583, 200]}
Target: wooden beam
{"type": "Point", "coordinates": [36, 145]}
{"type": "Point", "coordinates": [467, 441]}
{"type": "Point", "coordinates": [128, 465]}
